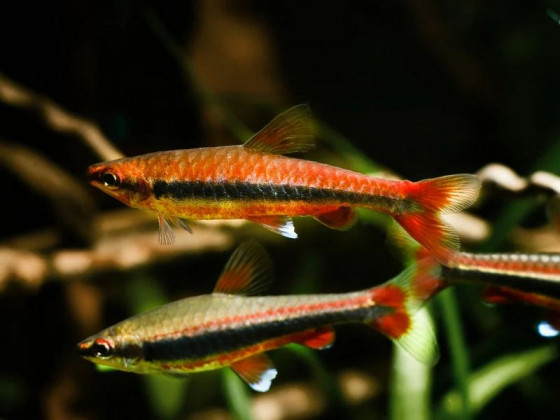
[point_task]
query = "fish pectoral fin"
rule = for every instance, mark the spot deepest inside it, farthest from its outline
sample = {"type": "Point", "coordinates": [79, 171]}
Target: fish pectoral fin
{"type": "Point", "coordinates": [291, 131]}
{"type": "Point", "coordinates": [248, 271]}
{"type": "Point", "coordinates": [166, 234]}
{"type": "Point", "coordinates": [258, 371]}
{"type": "Point", "coordinates": [320, 339]}
{"type": "Point", "coordinates": [341, 219]}
{"type": "Point", "coordinates": [282, 225]}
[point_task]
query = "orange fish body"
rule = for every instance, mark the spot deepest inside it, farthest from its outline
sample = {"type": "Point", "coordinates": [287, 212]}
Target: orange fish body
{"type": "Point", "coordinates": [227, 329]}
{"type": "Point", "coordinates": [255, 182]}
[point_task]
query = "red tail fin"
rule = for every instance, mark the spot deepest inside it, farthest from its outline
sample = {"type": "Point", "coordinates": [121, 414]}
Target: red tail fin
{"type": "Point", "coordinates": [427, 280]}
{"type": "Point", "coordinates": [448, 194]}
{"type": "Point", "coordinates": [404, 324]}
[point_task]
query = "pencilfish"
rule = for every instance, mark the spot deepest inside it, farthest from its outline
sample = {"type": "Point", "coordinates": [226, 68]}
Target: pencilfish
{"type": "Point", "coordinates": [254, 181]}
{"type": "Point", "coordinates": [228, 328]}
{"type": "Point", "coordinates": [531, 278]}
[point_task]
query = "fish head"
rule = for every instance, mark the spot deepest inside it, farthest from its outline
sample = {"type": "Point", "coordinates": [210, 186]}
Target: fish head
{"type": "Point", "coordinates": [121, 179]}
{"type": "Point", "coordinates": [113, 350]}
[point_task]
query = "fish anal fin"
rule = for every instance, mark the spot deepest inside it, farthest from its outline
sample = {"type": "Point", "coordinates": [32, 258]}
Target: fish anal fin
{"type": "Point", "coordinates": [166, 234]}
{"type": "Point", "coordinates": [248, 271]}
{"type": "Point", "coordinates": [257, 371]}
{"type": "Point", "coordinates": [341, 219]}
{"type": "Point", "coordinates": [495, 295]}
{"type": "Point", "coordinates": [322, 338]}
{"type": "Point", "coordinates": [291, 131]}
{"type": "Point", "coordinates": [281, 225]}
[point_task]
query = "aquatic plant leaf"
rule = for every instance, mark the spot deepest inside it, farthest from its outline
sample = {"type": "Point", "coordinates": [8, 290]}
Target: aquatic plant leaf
{"type": "Point", "coordinates": [487, 382]}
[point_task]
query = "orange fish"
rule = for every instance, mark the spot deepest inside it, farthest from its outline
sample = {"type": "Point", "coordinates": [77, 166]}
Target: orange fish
{"type": "Point", "coordinates": [227, 329]}
{"type": "Point", "coordinates": [254, 181]}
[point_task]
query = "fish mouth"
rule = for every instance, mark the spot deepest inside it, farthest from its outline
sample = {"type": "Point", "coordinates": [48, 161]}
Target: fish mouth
{"type": "Point", "coordinates": [93, 174]}
{"type": "Point", "coordinates": [84, 348]}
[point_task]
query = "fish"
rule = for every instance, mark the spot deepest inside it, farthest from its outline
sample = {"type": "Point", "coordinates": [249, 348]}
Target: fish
{"type": "Point", "coordinates": [531, 273]}
{"type": "Point", "coordinates": [256, 182]}
{"type": "Point", "coordinates": [530, 278]}
{"type": "Point", "coordinates": [232, 327]}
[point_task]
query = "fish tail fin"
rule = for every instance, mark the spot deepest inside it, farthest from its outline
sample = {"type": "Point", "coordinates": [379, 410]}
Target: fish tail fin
{"type": "Point", "coordinates": [400, 318]}
{"type": "Point", "coordinates": [427, 280]}
{"type": "Point", "coordinates": [437, 196]}
{"type": "Point", "coordinates": [406, 248]}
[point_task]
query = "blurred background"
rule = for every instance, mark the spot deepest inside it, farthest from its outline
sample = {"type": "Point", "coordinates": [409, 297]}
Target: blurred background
{"type": "Point", "coordinates": [417, 88]}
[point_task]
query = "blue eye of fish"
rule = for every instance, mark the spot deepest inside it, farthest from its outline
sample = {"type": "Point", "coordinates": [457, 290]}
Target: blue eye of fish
{"type": "Point", "coordinates": [110, 180]}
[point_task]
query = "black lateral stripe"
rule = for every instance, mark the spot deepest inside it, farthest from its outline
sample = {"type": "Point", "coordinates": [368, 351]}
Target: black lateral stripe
{"type": "Point", "coordinates": [189, 190]}
{"type": "Point", "coordinates": [519, 281]}
{"type": "Point", "coordinates": [227, 340]}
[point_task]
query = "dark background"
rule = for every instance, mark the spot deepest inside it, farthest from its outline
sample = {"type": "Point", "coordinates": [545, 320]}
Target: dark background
{"type": "Point", "coordinates": [425, 88]}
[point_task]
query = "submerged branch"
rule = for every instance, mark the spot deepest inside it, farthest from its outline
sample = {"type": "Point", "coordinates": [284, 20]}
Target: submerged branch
{"type": "Point", "coordinates": [498, 176]}
{"type": "Point", "coordinates": [126, 239]}
{"type": "Point", "coordinates": [57, 118]}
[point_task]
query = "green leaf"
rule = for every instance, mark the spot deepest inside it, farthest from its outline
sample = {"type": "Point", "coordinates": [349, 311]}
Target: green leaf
{"type": "Point", "coordinates": [166, 394]}
{"type": "Point", "coordinates": [458, 349]}
{"type": "Point", "coordinates": [489, 381]}
{"type": "Point", "coordinates": [358, 161]}
{"type": "Point", "coordinates": [237, 395]}
{"type": "Point", "coordinates": [411, 381]}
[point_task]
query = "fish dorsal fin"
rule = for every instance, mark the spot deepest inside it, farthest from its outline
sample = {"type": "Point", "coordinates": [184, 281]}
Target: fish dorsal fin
{"type": "Point", "coordinates": [248, 271]}
{"type": "Point", "coordinates": [258, 371]}
{"type": "Point", "coordinates": [282, 225]}
{"type": "Point", "coordinates": [320, 339]}
{"type": "Point", "coordinates": [291, 131]}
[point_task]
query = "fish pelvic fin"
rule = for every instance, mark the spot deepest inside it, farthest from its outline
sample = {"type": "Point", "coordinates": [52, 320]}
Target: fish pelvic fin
{"type": "Point", "coordinates": [444, 195]}
{"type": "Point", "coordinates": [291, 131]}
{"type": "Point", "coordinates": [403, 322]}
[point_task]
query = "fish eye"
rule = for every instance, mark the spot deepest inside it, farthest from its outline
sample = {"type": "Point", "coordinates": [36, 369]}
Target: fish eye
{"type": "Point", "coordinates": [110, 180]}
{"type": "Point", "coordinates": [102, 349]}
